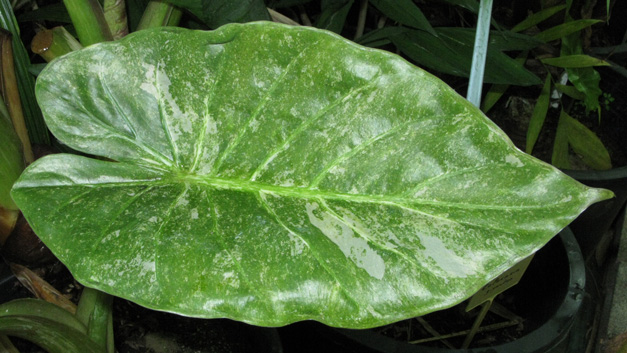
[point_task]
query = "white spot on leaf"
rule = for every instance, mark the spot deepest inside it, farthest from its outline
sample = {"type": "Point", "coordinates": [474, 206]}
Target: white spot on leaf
{"type": "Point", "coordinates": [352, 246]}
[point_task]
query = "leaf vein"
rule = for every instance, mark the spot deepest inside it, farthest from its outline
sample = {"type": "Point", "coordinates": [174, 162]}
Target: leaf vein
{"type": "Point", "coordinates": [163, 119]}
{"type": "Point", "coordinates": [208, 102]}
{"type": "Point", "coordinates": [238, 264]}
{"type": "Point", "coordinates": [308, 122]}
{"type": "Point", "coordinates": [368, 239]}
{"type": "Point", "coordinates": [163, 159]}
{"type": "Point", "coordinates": [316, 257]}
{"type": "Point", "coordinates": [353, 151]}
{"type": "Point", "coordinates": [262, 103]}
{"type": "Point", "coordinates": [117, 214]}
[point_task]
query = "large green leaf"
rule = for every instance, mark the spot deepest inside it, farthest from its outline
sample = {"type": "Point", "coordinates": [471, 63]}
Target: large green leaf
{"type": "Point", "coordinates": [281, 174]}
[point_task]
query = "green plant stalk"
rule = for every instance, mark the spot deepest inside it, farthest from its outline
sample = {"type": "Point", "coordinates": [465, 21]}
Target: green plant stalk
{"type": "Point", "coordinates": [480, 53]}
{"type": "Point", "coordinates": [47, 325]}
{"type": "Point", "coordinates": [89, 21]}
{"type": "Point", "coordinates": [115, 15]}
{"type": "Point", "coordinates": [52, 43]}
{"type": "Point", "coordinates": [37, 130]}
{"type": "Point", "coordinates": [175, 17]}
{"type": "Point", "coordinates": [159, 14]}
{"type": "Point", "coordinates": [6, 346]}
{"type": "Point", "coordinates": [10, 92]}
{"type": "Point", "coordinates": [361, 21]}
{"type": "Point", "coordinates": [94, 311]}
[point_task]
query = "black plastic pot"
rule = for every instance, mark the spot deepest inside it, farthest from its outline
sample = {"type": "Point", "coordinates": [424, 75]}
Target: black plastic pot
{"type": "Point", "coordinates": [550, 295]}
{"type": "Point", "coordinates": [603, 219]}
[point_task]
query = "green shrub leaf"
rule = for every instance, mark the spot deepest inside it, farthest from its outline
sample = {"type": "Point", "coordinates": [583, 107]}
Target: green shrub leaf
{"type": "Point", "coordinates": [586, 144]}
{"type": "Point", "coordinates": [215, 13]}
{"type": "Point", "coordinates": [575, 61]}
{"type": "Point", "coordinates": [537, 18]}
{"type": "Point", "coordinates": [281, 174]}
{"type": "Point", "coordinates": [451, 52]}
{"type": "Point", "coordinates": [539, 115]}
{"type": "Point", "coordinates": [565, 29]}
{"type": "Point", "coordinates": [404, 12]}
{"type": "Point", "coordinates": [334, 14]}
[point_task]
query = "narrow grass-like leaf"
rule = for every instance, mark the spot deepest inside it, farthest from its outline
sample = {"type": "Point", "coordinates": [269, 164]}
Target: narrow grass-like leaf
{"type": "Point", "coordinates": [46, 325]}
{"type": "Point", "coordinates": [587, 79]}
{"type": "Point", "coordinates": [215, 13]}
{"type": "Point", "coordinates": [586, 144]}
{"type": "Point", "coordinates": [575, 61]}
{"type": "Point", "coordinates": [37, 131]}
{"type": "Point", "coordinates": [570, 91]}
{"type": "Point", "coordinates": [321, 180]}
{"type": "Point", "coordinates": [10, 91]}
{"type": "Point", "coordinates": [452, 54]}
{"type": "Point", "coordinates": [404, 12]}
{"type": "Point", "coordinates": [498, 40]}
{"type": "Point", "coordinates": [539, 114]}
{"type": "Point", "coordinates": [11, 160]}
{"type": "Point", "coordinates": [6, 346]}
{"type": "Point", "coordinates": [334, 14]}
{"type": "Point", "coordinates": [565, 29]}
{"type": "Point", "coordinates": [614, 49]}
{"type": "Point", "coordinates": [54, 12]}
{"type": "Point", "coordinates": [494, 93]}
{"type": "Point", "coordinates": [537, 18]}
{"type": "Point", "coordinates": [471, 5]}
{"type": "Point", "coordinates": [287, 3]}
{"type": "Point", "coordinates": [29, 307]}
{"type": "Point", "coordinates": [560, 157]}
{"type": "Point", "coordinates": [381, 34]}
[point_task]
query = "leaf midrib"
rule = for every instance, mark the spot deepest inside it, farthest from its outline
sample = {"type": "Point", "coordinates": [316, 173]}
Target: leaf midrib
{"type": "Point", "coordinates": [296, 192]}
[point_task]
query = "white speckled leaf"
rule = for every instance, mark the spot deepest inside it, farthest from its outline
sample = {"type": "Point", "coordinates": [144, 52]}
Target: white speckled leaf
{"type": "Point", "coordinates": [272, 174]}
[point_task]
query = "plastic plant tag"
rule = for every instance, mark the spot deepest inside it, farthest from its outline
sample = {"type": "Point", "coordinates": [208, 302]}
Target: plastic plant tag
{"type": "Point", "coordinates": [486, 295]}
{"type": "Point", "coordinates": [500, 284]}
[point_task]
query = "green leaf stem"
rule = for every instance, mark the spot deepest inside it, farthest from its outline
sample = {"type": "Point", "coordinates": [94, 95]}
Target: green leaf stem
{"type": "Point", "coordinates": [281, 174]}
